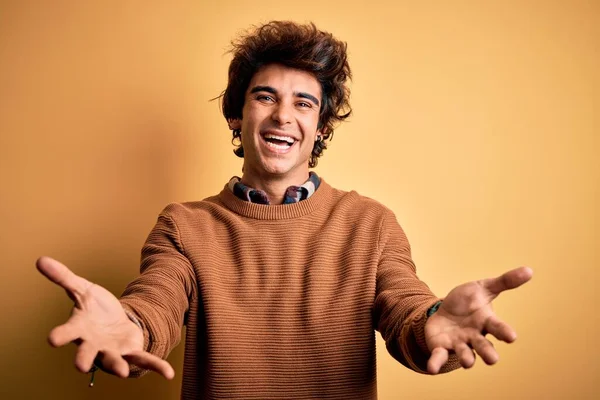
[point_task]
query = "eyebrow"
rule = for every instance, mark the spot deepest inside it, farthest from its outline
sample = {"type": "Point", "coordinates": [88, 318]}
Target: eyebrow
{"type": "Point", "coordinates": [272, 90]}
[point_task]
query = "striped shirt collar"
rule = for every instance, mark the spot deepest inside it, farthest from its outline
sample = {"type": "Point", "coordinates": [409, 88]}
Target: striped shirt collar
{"type": "Point", "coordinates": [293, 194]}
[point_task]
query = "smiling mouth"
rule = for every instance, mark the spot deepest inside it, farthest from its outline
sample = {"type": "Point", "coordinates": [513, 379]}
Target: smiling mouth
{"type": "Point", "coordinates": [278, 142]}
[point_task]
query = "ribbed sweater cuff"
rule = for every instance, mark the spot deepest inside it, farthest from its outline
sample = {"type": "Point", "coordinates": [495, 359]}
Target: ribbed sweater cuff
{"type": "Point", "coordinates": [151, 346]}
{"type": "Point", "coordinates": [419, 329]}
{"type": "Point", "coordinates": [412, 340]}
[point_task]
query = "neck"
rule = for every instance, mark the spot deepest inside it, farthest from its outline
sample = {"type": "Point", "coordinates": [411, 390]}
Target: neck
{"type": "Point", "coordinates": [273, 186]}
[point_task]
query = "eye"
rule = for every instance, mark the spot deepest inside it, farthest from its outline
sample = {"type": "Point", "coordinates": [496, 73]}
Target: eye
{"type": "Point", "coordinates": [304, 104]}
{"type": "Point", "coordinates": [265, 98]}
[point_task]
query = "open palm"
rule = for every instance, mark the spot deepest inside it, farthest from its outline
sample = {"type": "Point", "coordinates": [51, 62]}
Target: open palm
{"type": "Point", "coordinates": [99, 326]}
{"type": "Point", "coordinates": [466, 316]}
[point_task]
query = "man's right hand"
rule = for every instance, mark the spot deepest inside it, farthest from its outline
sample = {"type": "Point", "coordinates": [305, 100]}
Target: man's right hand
{"type": "Point", "coordinates": [99, 326]}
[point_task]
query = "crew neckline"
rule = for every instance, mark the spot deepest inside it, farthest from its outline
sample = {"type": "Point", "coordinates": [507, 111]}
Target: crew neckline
{"type": "Point", "coordinates": [276, 211]}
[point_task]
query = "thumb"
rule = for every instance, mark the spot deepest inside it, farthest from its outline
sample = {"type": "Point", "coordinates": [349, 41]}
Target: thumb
{"type": "Point", "coordinates": [509, 280]}
{"type": "Point", "coordinates": [62, 276]}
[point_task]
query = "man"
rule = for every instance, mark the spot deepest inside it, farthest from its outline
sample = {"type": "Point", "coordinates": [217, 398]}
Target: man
{"type": "Point", "coordinates": [280, 279]}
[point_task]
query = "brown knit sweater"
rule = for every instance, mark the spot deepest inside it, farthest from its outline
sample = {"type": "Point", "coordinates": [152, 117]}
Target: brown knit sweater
{"type": "Point", "coordinates": [280, 301]}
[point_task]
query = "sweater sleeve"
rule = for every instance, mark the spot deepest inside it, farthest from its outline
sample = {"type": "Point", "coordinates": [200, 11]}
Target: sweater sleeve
{"type": "Point", "coordinates": [402, 300]}
{"type": "Point", "coordinates": [159, 297]}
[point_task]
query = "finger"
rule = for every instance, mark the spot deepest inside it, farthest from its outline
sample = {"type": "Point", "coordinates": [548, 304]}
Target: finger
{"type": "Point", "coordinates": [62, 276]}
{"type": "Point", "coordinates": [509, 280]}
{"type": "Point", "coordinates": [465, 355]}
{"type": "Point", "coordinates": [439, 357]}
{"type": "Point", "coordinates": [149, 361]}
{"type": "Point", "coordinates": [114, 363]}
{"type": "Point", "coordinates": [84, 358]}
{"type": "Point", "coordinates": [64, 334]}
{"type": "Point", "coordinates": [500, 329]}
{"type": "Point", "coordinates": [485, 349]}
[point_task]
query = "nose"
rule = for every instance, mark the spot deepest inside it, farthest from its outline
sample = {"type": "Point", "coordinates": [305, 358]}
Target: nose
{"type": "Point", "coordinates": [282, 113]}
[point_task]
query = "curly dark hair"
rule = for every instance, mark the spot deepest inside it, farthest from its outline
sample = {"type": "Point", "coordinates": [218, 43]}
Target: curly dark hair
{"type": "Point", "coordinates": [298, 46]}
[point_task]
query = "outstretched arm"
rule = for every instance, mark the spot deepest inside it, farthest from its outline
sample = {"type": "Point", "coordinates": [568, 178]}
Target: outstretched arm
{"type": "Point", "coordinates": [445, 340]}
{"type": "Point", "coordinates": [160, 296]}
{"type": "Point", "coordinates": [158, 299]}
{"type": "Point", "coordinates": [402, 300]}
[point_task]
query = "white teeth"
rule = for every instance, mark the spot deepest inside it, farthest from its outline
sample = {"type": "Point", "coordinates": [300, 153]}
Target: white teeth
{"type": "Point", "coordinates": [284, 138]}
{"type": "Point", "coordinates": [278, 146]}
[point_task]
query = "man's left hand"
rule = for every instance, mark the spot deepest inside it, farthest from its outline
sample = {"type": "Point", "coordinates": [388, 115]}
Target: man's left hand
{"type": "Point", "coordinates": [466, 316]}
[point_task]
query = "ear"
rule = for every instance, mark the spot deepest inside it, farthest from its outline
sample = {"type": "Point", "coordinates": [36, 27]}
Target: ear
{"type": "Point", "coordinates": [319, 136]}
{"type": "Point", "coordinates": [234, 124]}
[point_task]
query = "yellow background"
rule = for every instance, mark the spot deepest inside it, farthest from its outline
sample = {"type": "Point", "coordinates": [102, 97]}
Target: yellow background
{"type": "Point", "coordinates": [477, 122]}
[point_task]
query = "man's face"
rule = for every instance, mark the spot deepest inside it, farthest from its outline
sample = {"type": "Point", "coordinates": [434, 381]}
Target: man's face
{"type": "Point", "coordinates": [279, 123]}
